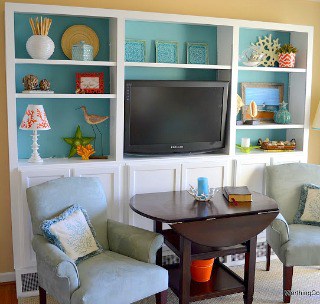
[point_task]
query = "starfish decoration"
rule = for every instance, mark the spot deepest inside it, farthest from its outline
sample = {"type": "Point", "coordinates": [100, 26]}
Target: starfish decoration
{"type": "Point", "coordinates": [77, 140]}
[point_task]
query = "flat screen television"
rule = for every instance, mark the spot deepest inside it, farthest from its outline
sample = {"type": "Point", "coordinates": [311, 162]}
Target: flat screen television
{"type": "Point", "coordinates": [164, 117]}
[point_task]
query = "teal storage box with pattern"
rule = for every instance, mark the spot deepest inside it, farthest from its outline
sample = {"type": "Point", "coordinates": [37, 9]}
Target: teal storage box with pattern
{"type": "Point", "coordinates": [82, 51]}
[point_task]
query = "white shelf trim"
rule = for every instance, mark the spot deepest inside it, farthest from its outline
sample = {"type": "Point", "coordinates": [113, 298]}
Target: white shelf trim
{"type": "Point", "coordinates": [272, 69]}
{"type": "Point", "coordinates": [177, 65]}
{"type": "Point", "coordinates": [83, 96]}
{"type": "Point", "coordinates": [64, 62]}
{"type": "Point", "coordinates": [269, 126]}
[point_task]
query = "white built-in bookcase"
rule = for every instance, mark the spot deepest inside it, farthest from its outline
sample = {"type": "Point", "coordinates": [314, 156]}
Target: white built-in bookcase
{"type": "Point", "coordinates": [124, 176]}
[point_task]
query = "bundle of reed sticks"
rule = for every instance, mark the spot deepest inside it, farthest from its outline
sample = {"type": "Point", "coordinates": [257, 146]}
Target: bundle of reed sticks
{"type": "Point", "coordinates": [41, 27]}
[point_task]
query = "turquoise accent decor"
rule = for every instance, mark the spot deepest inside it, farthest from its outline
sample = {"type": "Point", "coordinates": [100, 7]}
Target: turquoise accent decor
{"type": "Point", "coordinates": [203, 186]}
{"type": "Point", "coordinates": [79, 237]}
{"type": "Point", "coordinates": [314, 204]}
{"type": "Point", "coordinates": [282, 116]}
{"type": "Point", "coordinates": [82, 51]}
{"type": "Point", "coordinates": [166, 52]}
{"type": "Point", "coordinates": [182, 33]}
{"type": "Point", "coordinates": [135, 50]}
{"type": "Point", "coordinates": [197, 53]}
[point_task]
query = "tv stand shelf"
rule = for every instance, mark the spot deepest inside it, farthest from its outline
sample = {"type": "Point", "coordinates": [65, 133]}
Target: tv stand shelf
{"type": "Point", "coordinates": [223, 282]}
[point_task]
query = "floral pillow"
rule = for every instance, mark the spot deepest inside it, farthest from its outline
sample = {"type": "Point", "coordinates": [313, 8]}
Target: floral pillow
{"type": "Point", "coordinates": [309, 208]}
{"type": "Point", "coordinates": [73, 233]}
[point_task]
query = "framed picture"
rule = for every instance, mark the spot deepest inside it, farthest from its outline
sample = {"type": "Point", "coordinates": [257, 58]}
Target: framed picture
{"type": "Point", "coordinates": [90, 83]}
{"type": "Point", "coordinates": [197, 53]}
{"type": "Point", "coordinates": [135, 50]}
{"type": "Point", "coordinates": [267, 96]}
{"type": "Point", "coordinates": [166, 51]}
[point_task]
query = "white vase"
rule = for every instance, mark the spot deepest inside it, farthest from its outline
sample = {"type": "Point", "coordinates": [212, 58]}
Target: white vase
{"type": "Point", "coordinates": [40, 47]}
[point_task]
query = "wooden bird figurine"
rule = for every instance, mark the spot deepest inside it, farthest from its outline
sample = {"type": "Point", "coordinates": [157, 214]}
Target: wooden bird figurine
{"type": "Point", "coordinates": [93, 120]}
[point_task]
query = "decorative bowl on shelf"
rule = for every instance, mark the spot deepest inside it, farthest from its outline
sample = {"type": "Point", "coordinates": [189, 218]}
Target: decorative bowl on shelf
{"type": "Point", "coordinates": [203, 197]}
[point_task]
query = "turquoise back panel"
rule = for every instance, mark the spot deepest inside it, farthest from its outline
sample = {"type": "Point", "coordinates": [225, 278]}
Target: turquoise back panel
{"type": "Point", "coordinates": [58, 27]}
{"type": "Point", "coordinates": [182, 33]}
{"type": "Point", "coordinates": [134, 73]}
{"type": "Point", "coordinates": [254, 135]}
{"type": "Point", "coordinates": [63, 117]}
{"type": "Point", "coordinates": [248, 36]}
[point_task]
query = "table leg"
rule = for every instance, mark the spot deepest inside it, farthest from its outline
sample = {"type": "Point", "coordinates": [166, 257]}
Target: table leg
{"type": "Point", "coordinates": [157, 227]}
{"type": "Point", "coordinates": [249, 270]}
{"type": "Point", "coordinates": [185, 277]}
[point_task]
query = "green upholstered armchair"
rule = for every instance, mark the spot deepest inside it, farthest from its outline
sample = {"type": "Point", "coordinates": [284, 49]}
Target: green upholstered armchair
{"type": "Point", "coordinates": [123, 273]}
{"type": "Point", "coordinates": [294, 244]}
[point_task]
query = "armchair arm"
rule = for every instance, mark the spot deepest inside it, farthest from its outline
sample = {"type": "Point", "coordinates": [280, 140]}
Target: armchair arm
{"type": "Point", "coordinates": [134, 242]}
{"type": "Point", "coordinates": [280, 225]}
{"type": "Point", "coordinates": [54, 264]}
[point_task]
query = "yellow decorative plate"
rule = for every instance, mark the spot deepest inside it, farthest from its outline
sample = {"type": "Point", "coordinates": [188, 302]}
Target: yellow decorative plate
{"type": "Point", "coordinates": [77, 33]}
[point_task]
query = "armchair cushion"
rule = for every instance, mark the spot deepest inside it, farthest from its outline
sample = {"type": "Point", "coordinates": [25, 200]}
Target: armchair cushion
{"type": "Point", "coordinates": [72, 232]}
{"type": "Point", "coordinates": [114, 278]}
{"type": "Point", "coordinates": [303, 247]}
{"type": "Point", "coordinates": [309, 208]}
{"type": "Point", "coordinates": [134, 242]}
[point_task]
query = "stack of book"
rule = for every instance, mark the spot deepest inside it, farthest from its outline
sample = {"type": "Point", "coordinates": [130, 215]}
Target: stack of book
{"type": "Point", "coordinates": [237, 194]}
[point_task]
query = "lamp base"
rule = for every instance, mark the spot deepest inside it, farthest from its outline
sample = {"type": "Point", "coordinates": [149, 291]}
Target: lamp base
{"type": "Point", "coordinates": [35, 156]}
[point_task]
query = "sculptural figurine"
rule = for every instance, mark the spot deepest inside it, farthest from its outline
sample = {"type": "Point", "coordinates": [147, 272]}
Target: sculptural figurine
{"type": "Point", "coordinates": [30, 82]}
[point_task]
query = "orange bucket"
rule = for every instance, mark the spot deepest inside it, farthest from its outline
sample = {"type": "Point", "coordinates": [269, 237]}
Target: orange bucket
{"type": "Point", "coordinates": [201, 270]}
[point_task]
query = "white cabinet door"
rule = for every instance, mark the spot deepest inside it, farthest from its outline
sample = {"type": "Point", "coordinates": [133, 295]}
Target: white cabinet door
{"type": "Point", "coordinates": [251, 173]}
{"type": "Point", "coordinates": [279, 160]}
{"type": "Point", "coordinates": [217, 173]}
{"type": "Point", "coordinates": [110, 179]}
{"type": "Point", "coordinates": [28, 179]}
{"type": "Point", "coordinates": [148, 178]}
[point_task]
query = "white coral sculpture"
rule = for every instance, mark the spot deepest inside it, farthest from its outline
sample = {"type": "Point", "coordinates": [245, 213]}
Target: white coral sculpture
{"type": "Point", "coordinates": [268, 47]}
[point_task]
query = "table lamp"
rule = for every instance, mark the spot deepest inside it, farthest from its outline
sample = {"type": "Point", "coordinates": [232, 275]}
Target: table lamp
{"type": "Point", "coordinates": [35, 119]}
{"type": "Point", "coordinates": [316, 120]}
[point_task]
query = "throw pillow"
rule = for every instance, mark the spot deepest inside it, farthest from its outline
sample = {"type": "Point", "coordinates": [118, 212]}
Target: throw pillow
{"type": "Point", "coordinates": [309, 207]}
{"type": "Point", "coordinates": [73, 233]}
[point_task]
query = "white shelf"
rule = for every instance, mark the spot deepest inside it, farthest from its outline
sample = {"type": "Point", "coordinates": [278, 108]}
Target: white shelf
{"type": "Point", "coordinates": [272, 69]}
{"type": "Point", "coordinates": [23, 163]}
{"type": "Point", "coordinates": [65, 62]}
{"type": "Point", "coordinates": [83, 96]}
{"type": "Point", "coordinates": [269, 126]}
{"type": "Point", "coordinates": [267, 152]}
{"type": "Point", "coordinates": [178, 65]}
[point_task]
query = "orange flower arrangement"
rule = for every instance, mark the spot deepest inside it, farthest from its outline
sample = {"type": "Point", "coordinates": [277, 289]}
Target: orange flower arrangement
{"type": "Point", "coordinates": [85, 151]}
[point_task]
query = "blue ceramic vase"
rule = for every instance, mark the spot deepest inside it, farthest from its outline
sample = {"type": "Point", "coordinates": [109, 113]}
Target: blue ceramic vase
{"type": "Point", "coordinates": [282, 116]}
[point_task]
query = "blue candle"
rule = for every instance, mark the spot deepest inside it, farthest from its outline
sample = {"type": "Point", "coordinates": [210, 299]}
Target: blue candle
{"type": "Point", "coordinates": [203, 187]}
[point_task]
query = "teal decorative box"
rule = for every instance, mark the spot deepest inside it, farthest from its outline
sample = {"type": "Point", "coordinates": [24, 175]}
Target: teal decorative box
{"type": "Point", "coordinates": [82, 51]}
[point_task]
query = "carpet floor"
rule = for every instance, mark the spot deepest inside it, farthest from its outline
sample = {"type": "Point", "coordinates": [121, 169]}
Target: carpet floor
{"type": "Point", "coordinates": [268, 288]}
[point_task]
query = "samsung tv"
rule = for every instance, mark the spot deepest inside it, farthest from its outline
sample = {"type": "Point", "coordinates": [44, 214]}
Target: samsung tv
{"type": "Point", "coordinates": [164, 117]}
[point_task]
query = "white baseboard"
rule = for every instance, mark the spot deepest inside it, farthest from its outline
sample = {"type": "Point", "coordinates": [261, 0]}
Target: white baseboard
{"type": "Point", "coordinates": [7, 277]}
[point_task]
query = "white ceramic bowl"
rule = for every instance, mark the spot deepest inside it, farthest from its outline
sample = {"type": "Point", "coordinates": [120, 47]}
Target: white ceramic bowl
{"type": "Point", "coordinates": [40, 47]}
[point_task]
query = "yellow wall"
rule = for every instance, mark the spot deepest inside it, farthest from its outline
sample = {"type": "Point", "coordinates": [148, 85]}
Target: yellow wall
{"type": "Point", "coordinates": [283, 11]}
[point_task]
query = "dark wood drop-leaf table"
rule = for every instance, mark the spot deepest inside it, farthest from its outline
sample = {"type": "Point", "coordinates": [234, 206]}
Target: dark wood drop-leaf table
{"type": "Point", "coordinates": [203, 230]}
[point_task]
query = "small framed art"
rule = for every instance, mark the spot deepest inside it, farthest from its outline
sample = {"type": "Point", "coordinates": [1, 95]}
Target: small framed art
{"type": "Point", "coordinates": [267, 96]}
{"type": "Point", "coordinates": [197, 53]}
{"type": "Point", "coordinates": [166, 51]}
{"type": "Point", "coordinates": [89, 83]}
{"type": "Point", "coordinates": [135, 50]}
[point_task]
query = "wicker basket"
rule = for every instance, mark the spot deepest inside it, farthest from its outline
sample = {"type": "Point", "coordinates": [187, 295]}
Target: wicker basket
{"type": "Point", "coordinates": [266, 146]}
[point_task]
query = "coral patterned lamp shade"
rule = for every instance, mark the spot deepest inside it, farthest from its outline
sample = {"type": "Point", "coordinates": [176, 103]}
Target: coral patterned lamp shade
{"type": "Point", "coordinates": [35, 119]}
